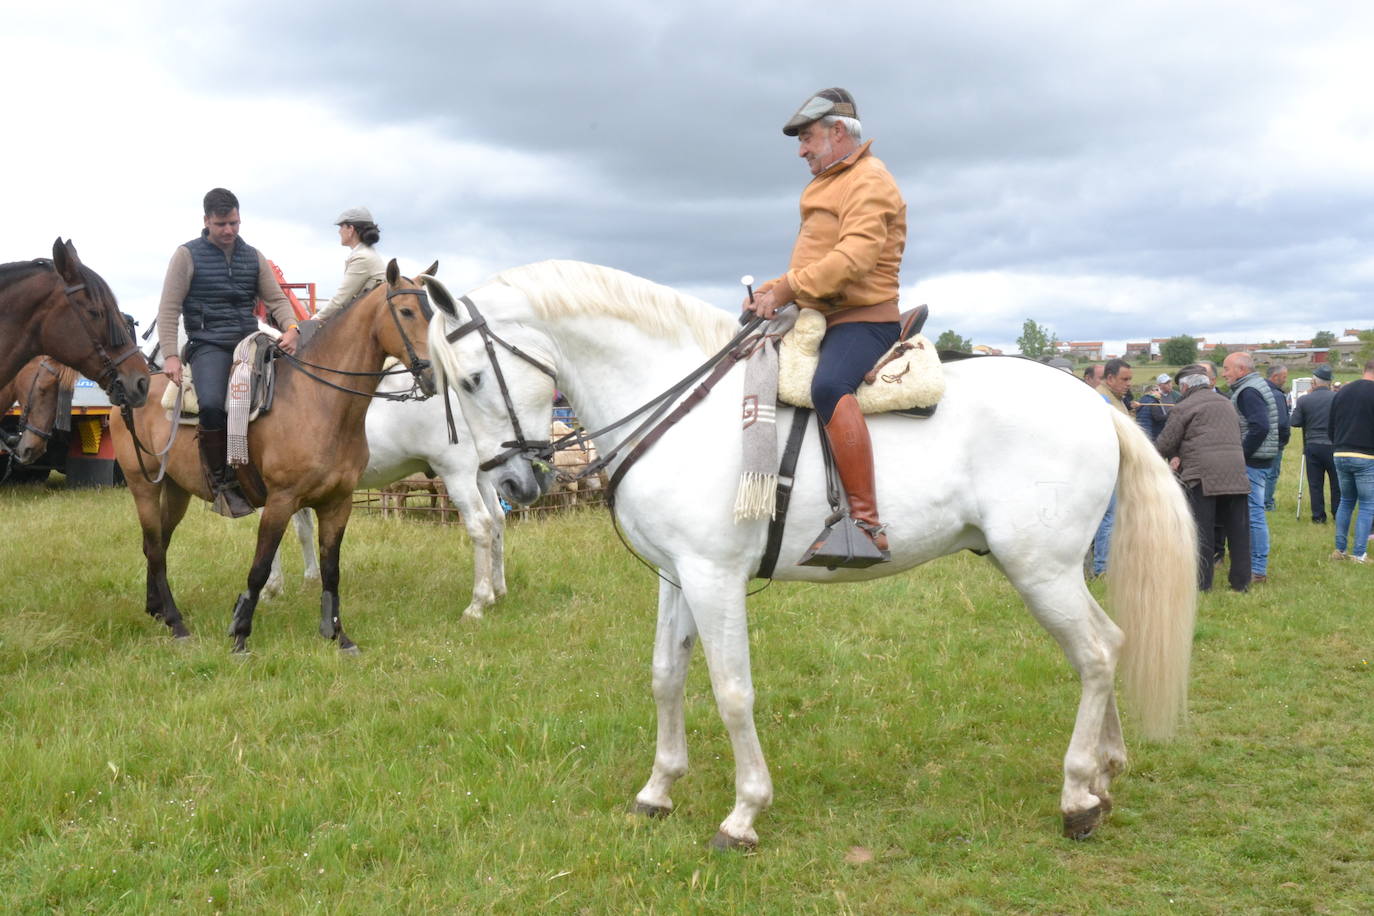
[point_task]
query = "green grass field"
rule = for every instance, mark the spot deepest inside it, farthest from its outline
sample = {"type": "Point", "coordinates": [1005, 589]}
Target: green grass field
{"type": "Point", "coordinates": [914, 726]}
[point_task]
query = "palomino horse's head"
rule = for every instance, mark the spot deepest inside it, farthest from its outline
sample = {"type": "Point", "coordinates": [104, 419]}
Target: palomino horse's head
{"type": "Point", "coordinates": [44, 392]}
{"type": "Point", "coordinates": [500, 367]}
{"type": "Point", "coordinates": [99, 339]}
{"type": "Point", "coordinates": [402, 327]}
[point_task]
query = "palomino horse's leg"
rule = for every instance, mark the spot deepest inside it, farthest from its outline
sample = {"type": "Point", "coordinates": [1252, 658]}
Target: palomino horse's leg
{"type": "Point", "coordinates": [464, 493]}
{"type": "Point", "coordinates": [160, 508]}
{"type": "Point", "coordinates": [1092, 643]}
{"type": "Point", "coordinates": [333, 520]}
{"type": "Point", "coordinates": [498, 538]}
{"type": "Point", "coordinates": [271, 526]}
{"type": "Point", "coordinates": [673, 641]}
{"type": "Point", "coordinates": [717, 606]}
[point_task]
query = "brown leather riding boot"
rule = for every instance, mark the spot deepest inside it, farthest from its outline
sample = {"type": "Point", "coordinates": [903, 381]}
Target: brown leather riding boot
{"type": "Point", "coordinates": [229, 499]}
{"type": "Point", "coordinates": [853, 451]}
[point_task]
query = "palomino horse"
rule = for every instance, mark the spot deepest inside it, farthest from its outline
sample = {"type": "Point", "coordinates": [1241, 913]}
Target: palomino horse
{"type": "Point", "coordinates": [409, 437]}
{"type": "Point", "coordinates": [983, 474]}
{"type": "Point", "coordinates": [310, 448]}
{"type": "Point", "coordinates": [42, 389]}
{"type": "Point", "coordinates": [64, 309]}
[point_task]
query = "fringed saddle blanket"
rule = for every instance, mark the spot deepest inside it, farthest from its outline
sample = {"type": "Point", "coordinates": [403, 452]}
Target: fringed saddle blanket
{"type": "Point", "coordinates": [908, 376]}
{"type": "Point", "coordinates": [249, 394]}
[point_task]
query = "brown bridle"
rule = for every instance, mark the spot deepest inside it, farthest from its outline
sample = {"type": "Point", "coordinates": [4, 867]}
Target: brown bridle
{"type": "Point", "coordinates": [118, 334]}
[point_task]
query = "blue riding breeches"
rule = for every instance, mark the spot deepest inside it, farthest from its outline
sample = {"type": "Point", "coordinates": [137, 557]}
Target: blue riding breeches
{"type": "Point", "coordinates": [210, 364]}
{"type": "Point", "coordinates": [848, 351]}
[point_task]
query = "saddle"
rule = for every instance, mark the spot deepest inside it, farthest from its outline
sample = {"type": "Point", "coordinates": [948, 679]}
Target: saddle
{"type": "Point", "coordinates": [907, 380]}
{"type": "Point", "coordinates": [262, 378]}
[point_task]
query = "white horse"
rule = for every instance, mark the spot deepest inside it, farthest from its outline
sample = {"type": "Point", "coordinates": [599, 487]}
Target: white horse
{"type": "Point", "coordinates": [984, 474]}
{"type": "Point", "coordinates": [411, 437]}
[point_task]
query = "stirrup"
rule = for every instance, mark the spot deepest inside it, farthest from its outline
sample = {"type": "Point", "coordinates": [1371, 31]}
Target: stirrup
{"type": "Point", "coordinates": [845, 543]}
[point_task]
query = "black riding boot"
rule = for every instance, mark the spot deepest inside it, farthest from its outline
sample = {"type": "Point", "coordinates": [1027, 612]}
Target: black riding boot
{"type": "Point", "coordinates": [229, 499]}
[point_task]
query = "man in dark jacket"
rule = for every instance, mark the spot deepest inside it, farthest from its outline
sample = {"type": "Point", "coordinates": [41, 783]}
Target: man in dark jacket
{"type": "Point", "coordinates": [212, 285]}
{"type": "Point", "coordinates": [1311, 415]}
{"type": "Point", "coordinates": [1351, 428]}
{"type": "Point", "coordinates": [1258, 409]}
{"type": "Point", "coordinates": [1277, 377]}
{"type": "Point", "coordinates": [1202, 440]}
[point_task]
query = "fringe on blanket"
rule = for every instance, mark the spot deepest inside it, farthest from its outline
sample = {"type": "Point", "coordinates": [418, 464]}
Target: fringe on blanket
{"type": "Point", "coordinates": [756, 497]}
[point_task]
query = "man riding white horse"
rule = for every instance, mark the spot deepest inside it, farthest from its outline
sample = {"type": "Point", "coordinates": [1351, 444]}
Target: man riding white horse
{"type": "Point", "coordinates": [845, 263]}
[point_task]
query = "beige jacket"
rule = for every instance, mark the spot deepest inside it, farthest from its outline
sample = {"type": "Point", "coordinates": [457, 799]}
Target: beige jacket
{"type": "Point", "coordinates": [848, 252]}
{"type": "Point", "coordinates": [363, 267]}
{"type": "Point", "coordinates": [177, 284]}
{"type": "Point", "coordinates": [1112, 399]}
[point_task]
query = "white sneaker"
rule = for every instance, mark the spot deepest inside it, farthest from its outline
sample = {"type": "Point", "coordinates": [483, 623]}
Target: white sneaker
{"type": "Point", "coordinates": [1362, 558]}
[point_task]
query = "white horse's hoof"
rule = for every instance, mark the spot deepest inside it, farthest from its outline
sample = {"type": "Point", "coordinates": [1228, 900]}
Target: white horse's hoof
{"type": "Point", "coordinates": [472, 612]}
{"type": "Point", "coordinates": [644, 809]}
{"type": "Point", "coordinates": [723, 842]}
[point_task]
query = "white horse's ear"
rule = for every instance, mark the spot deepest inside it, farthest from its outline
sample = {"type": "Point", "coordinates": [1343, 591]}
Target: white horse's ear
{"type": "Point", "coordinates": [439, 295]}
{"type": "Point", "coordinates": [393, 273]}
{"type": "Point", "coordinates": [431, 270]}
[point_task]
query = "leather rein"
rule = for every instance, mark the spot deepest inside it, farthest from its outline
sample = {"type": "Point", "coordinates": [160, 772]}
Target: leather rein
{"type": "Point", "coordinates": [639, 440]}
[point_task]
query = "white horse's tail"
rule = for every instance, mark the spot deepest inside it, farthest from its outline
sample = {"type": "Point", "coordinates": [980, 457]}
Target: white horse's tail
{"type": "Point", "coordinates": [1152, 582]}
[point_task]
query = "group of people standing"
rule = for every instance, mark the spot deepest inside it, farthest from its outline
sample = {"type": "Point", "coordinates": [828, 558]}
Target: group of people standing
{"type": "Point", "coordinates": [212, 286]}
{"type": "Point", "coordinates": [1228, 452]}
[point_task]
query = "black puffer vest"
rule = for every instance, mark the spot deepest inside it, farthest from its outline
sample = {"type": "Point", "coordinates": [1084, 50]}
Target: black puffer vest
{"type": "Point", "coordinates": [219, 305]}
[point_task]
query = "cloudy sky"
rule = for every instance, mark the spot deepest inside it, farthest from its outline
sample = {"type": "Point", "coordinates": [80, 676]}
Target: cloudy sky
{"type": "Point", "coordinates": [1113, 171]}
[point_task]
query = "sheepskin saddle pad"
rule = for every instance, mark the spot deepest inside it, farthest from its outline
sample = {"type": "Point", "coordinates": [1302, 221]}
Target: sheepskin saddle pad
{"type": "Point", "coordinates": [908, 376]}
{"type": "Point", "coordinates": [262, 375]}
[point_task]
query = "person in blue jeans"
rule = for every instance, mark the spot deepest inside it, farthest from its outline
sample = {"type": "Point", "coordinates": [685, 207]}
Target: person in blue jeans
{"type": "Point", "coordinates": [1351, 428]}
{"type": "Point", "coordinates": [1256, 405]}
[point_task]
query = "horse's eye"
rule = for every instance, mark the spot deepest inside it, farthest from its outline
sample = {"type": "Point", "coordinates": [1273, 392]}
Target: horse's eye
{"type": "Point", "coordinates": [471, 383]}
{"type": "Point", "coordinates": [408, 313]}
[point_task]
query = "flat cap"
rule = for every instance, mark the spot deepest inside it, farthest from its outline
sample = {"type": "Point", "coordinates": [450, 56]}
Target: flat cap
{"type": "Point", "coordinates": [354, 215]}
{"type": "Point", "coordinates": [835, 101]}
{"type": "Point", "coordinates": [1323, 373]}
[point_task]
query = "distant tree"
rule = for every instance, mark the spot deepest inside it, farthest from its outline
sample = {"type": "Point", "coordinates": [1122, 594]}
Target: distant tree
{"type": "Point", "coordinates": [950, 340]}
{"type": "Point", "coordinates": [1179, 351]}
{"type": "Point", "coordinates": [1036, 340]}
{"type": "Point", "coordinates": [1219, 354]}
{"type": "Point", "coordinates": [1367, 351]}
{"type": "Point", "coordinates": [1323, 339]}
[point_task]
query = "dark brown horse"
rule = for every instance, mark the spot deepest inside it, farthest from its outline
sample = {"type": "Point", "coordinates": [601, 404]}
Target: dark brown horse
{"type": "Point", "coordinates": [310, 448]}
{"type": "Point", "coordinates": [64, 309]}
{"type": "Point", "coordinates": [43, 390]}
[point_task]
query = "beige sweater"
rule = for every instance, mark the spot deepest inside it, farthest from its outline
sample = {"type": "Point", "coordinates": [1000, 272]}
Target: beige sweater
{"type": "Point", "coordinates": [364, 266]}
{"type": "Point", "coordinates": [848, 252]}
{"type": "Point", "coordinates": [177, 284]}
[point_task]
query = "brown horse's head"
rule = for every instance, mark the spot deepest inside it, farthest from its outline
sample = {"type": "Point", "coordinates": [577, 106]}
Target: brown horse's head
{"type": "Point", "coordinates": [43, 389]}
{"type": "Point", "coordinates": [402, 328]}
{"type": "Point", "coordinates": [98, 339]}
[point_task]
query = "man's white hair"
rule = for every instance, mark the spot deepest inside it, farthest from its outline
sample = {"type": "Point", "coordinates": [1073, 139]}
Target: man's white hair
{"type": "Point", "coordinates": [851, 126]}
{"type": "Point", "coordinates": [1195, 381]}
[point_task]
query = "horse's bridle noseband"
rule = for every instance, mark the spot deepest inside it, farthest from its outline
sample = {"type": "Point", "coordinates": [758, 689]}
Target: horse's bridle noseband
{"type": "Point", "coordinates": [541, 449]}
{"type": "Point", "coordinates": [62, 420]}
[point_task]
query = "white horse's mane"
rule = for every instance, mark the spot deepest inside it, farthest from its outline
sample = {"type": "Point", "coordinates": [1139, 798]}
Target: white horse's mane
{"type": "Point", "coordinates": [568, 288]}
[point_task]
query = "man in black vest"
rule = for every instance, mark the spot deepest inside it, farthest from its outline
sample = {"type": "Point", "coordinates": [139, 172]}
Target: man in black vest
{"type": "Point", "coordinates": [213, 284]}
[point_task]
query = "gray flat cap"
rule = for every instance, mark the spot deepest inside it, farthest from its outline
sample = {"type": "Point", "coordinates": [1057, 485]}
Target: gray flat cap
{"type": "Point", "coordinates": [834, 101]}
{"type": "Point", "coordinates": [354, 215]}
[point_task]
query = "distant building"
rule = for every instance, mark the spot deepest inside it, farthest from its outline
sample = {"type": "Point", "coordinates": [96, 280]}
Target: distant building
{"type": "Point", "coordinates": [1090, 350]}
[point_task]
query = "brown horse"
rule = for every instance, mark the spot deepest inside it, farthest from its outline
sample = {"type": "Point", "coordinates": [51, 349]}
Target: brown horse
{"type": "Point", "coordinates": [64, 309]}
{"type": "Point", "coordinates": [43, 390]}
{"type": "Point", "coordinates": [310, 448]}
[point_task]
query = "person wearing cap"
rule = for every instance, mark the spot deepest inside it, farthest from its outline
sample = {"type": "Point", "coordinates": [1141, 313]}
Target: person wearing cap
{"type": "Point", "coordinates": [845, 263]}
{"type": "Point", "coordinates": [1311, 414]}
{"type": "Point", "coordinates": [363, 268]}
{"type": "Point", "coordinates": [1155, 404]}
{"type": "Point", "coordinates": [213, 284]}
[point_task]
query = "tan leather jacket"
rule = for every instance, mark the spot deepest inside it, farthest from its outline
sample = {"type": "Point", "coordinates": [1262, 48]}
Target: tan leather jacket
{"type": "Point", "coordinates": [849, 249]}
